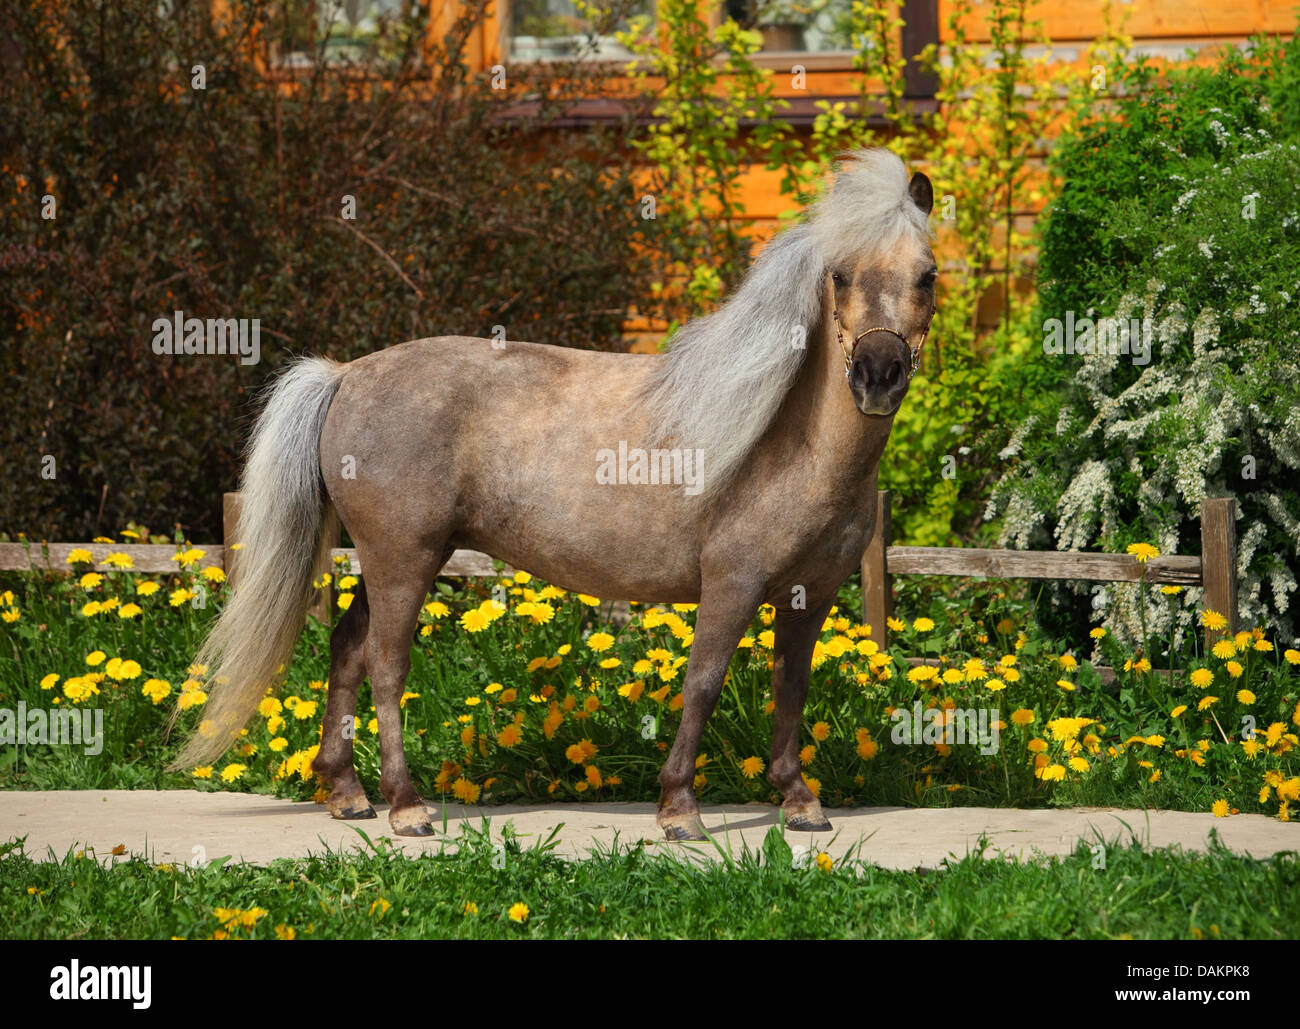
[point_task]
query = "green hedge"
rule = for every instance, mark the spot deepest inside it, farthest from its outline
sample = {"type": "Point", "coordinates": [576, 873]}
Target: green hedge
{"type": "Point", "coordinates": [225, 202]}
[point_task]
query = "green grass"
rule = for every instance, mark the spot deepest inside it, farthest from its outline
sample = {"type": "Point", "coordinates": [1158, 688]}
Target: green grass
{"type": "Point", "coordinates": [630, 893]}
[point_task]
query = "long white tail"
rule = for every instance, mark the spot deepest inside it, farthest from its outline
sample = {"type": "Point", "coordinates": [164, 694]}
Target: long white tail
{"type": "Point", "coordinates": [283, 520]}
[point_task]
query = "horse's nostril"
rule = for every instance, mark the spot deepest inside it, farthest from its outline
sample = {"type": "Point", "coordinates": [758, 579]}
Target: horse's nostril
{"type": "Point", "coordinates": [860, 378]}
{"type": "Point", "coordinates": [883, 374]}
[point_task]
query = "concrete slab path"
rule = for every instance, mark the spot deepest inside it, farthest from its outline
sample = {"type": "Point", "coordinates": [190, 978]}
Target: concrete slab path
{"type": "Point", "coordinates": [180, 825]}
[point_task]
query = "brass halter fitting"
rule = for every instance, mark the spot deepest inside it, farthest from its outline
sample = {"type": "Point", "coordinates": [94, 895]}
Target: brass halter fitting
{"type": "Point", "coordinates": [847, 351]}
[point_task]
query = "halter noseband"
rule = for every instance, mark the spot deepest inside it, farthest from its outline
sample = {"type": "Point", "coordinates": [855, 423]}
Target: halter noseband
{"type": "Point", "coordinates": [847, 351]}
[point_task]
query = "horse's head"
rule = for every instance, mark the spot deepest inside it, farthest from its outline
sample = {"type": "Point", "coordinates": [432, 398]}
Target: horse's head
{"type": "Point", "coordinates": [880, 274]}
{"type": "Point", "coordinates": [853, 284]}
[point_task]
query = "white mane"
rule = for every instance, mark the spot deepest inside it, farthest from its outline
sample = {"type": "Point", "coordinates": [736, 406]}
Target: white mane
{"type": "Point", "coordinates": [723, 380]}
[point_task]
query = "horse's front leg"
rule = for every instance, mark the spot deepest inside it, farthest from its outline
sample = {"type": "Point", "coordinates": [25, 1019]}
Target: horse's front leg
{"type": "Point", "coordinates": [796, 635]}
{"type": "Point", "coordinates": [725, 611]}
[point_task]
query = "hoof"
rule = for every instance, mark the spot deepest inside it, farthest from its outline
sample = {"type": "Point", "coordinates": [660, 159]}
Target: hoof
{"type": "Point", "coordinates": [410, 822]}
{"type": "Point", "coordinates": [355, 813]}
{"type": "Point", "coordinates": [414, 829]}
{"type": "Point", "coordinates": [802, 823]}
{"type": "Point", "coordinates": [677, 832]}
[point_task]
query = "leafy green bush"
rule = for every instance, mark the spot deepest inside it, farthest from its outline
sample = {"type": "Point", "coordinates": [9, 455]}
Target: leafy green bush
{"type": "Point", "coordinates": [941, 460]}
{"type": "Point", "coordinates": [1179, 211]}
{"type": "Point", "coordinates": [994, 102]}
{"type": "Point", "coordinates": [1147, 145]}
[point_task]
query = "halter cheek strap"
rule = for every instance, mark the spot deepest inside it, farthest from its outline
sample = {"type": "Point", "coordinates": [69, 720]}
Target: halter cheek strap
{"type": "Point", "coordinates": [847, 350]}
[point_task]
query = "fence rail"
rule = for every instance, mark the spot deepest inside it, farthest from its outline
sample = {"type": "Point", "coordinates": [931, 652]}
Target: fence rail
{"type": "Point", "coordinates": [1215, 569]}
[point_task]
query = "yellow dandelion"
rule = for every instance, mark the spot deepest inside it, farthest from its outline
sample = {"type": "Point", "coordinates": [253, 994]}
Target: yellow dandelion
{"type": "Point", "coordinates": [1142, 551]}
{"type": "Point", "coordinates": [465, 791]}
{"type": "Point", "coordinates": [474, 620]}
{"type": "Point", "coordinates": [1213, 621]}
{"type": "Point", "coordinates": [600, 641]}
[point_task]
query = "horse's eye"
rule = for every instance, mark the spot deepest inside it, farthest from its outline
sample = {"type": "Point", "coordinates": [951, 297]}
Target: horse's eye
{"type": "Point", "coordinates": [927, 280]}
{"type": "Point", "coordinates": [838, 279]}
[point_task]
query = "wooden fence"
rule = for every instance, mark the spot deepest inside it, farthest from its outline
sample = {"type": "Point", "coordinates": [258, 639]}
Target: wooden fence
{"type": "Point", "coordinates": [1215, 569]}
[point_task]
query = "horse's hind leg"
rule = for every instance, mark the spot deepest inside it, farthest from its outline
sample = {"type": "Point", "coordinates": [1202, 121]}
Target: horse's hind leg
{"type": "Point", "coordinates": [334, 762]}
{"type": "Point", "coordinates": [399, 578]}
{"type": "Point", "coordinates": [796, 636]}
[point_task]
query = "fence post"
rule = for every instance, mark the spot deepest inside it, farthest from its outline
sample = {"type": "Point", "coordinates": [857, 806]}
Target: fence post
{"type": "Point", "coordinates": [1219, 562]}
{"type": "Point", "coordinates": [877, 583]}
{"type": "Point", "coordinates": [322, 606]}
{"type": "Point", "coordinates": [229, 532]}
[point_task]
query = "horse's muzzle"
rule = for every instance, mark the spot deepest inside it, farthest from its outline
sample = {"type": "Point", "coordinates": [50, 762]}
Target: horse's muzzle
{"type": "Point", "coordinates": [878, 373]}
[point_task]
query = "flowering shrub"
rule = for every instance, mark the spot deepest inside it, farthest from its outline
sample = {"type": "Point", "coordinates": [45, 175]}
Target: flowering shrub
{"type": "Point", "coordinates": [520, 691]}
{"type": "Point", "coordinates": [1187, 221]}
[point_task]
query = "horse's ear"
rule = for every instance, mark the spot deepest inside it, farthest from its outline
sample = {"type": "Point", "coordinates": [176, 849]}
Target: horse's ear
{"type": "Point", "coordinates": [922, 192]}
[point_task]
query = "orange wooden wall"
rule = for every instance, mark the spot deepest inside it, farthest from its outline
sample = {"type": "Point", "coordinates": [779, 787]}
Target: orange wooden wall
{"type": "Point", "coordinates": [1163, 29]}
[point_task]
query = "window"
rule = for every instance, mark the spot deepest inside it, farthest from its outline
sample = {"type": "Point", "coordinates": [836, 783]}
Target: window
{"type": "Point", "coordinates": [538, 30]}
{"type": "Point", "coordinates": [810, 26]}
{"type": "Point", "coordinates": [343, 29]}
{"type": "Point", "coordinates": [541, 30]}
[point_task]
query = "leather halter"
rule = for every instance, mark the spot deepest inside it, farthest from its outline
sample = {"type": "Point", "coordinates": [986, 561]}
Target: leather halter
{"type": "Point", "coordinates": [847, 351]}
